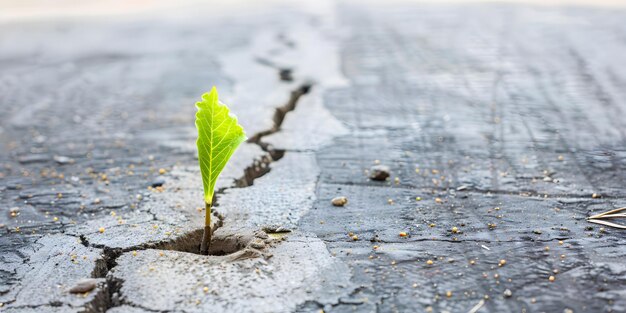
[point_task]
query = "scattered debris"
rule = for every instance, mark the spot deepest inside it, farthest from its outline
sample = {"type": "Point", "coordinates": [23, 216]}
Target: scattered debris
{"type": "Point", "coordinates": [84, 285]}
{"type": "Point", "coordinates": [339, 201]}
{"type": "Point", "coordinates": [461, 188]}
{"type": "Point", "coordinates": [477, 306]}
{"type": "Point", "coordinates": [600, 218]}
{"type": "Point", "coordinates": [158, 182]}
{"type": "Point", "coordinates": [257, 244]}
{"type": "Point", "coordinates": [275, 229]}
{"type": "Point", "coordinates": [379, 172]}
{"type": "Point", "coordinates": [62, 160]}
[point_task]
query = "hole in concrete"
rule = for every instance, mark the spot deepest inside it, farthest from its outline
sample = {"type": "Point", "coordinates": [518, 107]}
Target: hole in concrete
{"type": "Point", "coordinates": [222, 242]}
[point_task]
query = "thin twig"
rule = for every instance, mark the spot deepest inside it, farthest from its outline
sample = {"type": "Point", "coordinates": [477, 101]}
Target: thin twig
{"type": "Point", "coordinates": [607, 213]}
{"type": "Point", "coordinates": [477, 306]}
{"type": "Point", "coordinates": [598, 221]}
{"type": "Point", "coordinates": [614, 215]}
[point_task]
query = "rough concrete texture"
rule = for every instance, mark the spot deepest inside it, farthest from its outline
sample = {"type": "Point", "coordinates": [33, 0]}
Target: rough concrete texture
{"type": "Point", "coordinates": [53, 265]}
{"type": "Point", "coordinates": [300, 269]}
{"type": "Point", "coordinates": [302, 131]}
{"type": "Point", "coordinates": [281, 197]}
{"type": "Point", "coordinates": [498, 123]}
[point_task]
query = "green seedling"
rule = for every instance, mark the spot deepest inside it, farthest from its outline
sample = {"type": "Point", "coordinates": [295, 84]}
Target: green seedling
{"type": "Point", "coordinates": [219, 135]}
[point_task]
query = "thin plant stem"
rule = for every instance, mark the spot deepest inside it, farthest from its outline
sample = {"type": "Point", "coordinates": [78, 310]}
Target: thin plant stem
{"type": "Point", "coordinates": [206, 237]}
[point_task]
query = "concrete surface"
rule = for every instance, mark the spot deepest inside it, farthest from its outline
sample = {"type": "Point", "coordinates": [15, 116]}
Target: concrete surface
{"type": "Point", "coordinates": [498, 121]}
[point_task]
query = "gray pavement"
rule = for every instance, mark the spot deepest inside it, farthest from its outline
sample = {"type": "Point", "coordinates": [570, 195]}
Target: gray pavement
{"type": "Point", "coordinates": [502, 125]}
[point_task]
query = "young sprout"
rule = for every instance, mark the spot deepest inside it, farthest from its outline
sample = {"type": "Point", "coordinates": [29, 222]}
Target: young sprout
{"type": "Point", "coordinates": [219, 134]}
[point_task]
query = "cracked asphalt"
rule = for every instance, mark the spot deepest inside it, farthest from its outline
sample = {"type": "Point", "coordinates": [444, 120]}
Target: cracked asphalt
{"type": "Point", "coordinates": [502, 125]}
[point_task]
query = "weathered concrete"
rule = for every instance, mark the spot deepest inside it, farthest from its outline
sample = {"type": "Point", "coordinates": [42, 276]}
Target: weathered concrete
{"type": "Point", "coordinates": [502, 122]}
{"type": "Point", "coordinates": [53, 264]}
{"type": "Point", "coordinates": [299, 270]}
{"type": "Point", "coordinates": [281, 197]}
{"type": "Point", "coordinates": [497, 122]}
{"type": "Point", "coordinates": [302, 131]}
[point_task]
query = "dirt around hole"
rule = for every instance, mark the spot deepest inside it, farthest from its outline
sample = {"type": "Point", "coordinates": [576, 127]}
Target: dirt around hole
{"type": "Point", "coordinates": [225, 242]}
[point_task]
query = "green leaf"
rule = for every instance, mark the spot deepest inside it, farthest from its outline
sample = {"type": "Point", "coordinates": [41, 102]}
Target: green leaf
{"type": "Point", "coordinates": [219, 134]}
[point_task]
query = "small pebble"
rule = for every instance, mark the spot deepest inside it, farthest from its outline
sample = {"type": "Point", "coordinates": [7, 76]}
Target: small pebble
{"type": "Point", "coordinates": [63, 160]}
{"type": "Point", "coordinates": [379, 172]}
{"type": "Point", "coordinates": [339, 201]}
{"type": "Point", "coordinates": [158, 182]}
{"type": "Point", "coordinates": [508, 293]}
{"type": "Point", "coordinates": [258, 244]}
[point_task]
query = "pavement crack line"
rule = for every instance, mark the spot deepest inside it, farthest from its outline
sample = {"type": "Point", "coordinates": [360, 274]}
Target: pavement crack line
{"type": "Point", "coordinates": [279, 116]}
{"type": "Point", "coordinates": [112, 289]}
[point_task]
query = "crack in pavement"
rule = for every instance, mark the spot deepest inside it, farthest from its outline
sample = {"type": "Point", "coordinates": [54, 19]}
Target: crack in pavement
{"type": "Point", "coordinates": [251, 173]}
